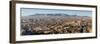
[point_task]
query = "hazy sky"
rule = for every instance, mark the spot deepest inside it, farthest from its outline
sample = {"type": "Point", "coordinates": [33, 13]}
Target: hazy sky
{"type": "Point", "coordinates": [32, 11]}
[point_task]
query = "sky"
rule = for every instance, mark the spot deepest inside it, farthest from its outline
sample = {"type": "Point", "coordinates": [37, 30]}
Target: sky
{"type": "Point", "coordinates": [32, 11]}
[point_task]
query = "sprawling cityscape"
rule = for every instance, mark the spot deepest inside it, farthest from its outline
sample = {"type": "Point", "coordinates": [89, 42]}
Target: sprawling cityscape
{"type": "Point", "coordinates": [55, 24]}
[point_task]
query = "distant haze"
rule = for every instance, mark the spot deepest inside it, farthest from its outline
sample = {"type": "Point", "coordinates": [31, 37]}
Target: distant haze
{"type": "Point", "coordinates": [32, 11]}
